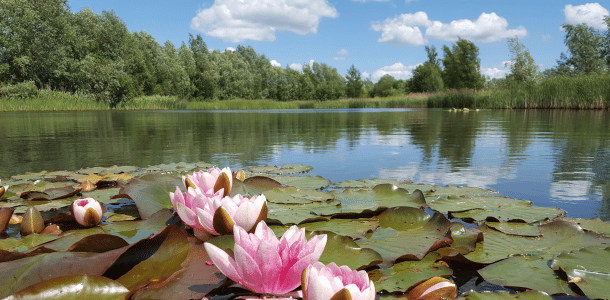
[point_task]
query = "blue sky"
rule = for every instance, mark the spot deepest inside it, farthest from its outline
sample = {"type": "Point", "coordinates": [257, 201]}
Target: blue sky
{"type": "Point", "coordinates": [378, 37]}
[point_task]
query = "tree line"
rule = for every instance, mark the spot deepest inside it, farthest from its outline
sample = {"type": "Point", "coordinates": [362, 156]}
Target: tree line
{"type": "Point", "coordinates": [44, 44]}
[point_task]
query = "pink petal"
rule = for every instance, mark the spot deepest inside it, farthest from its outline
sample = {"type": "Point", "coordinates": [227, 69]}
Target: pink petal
{"type": "Point", "coordinates": [249, 271]}
{"type": "Point", "coordinates": [223, 261]}
{"type": "Point", "coordinates": [270, 263]}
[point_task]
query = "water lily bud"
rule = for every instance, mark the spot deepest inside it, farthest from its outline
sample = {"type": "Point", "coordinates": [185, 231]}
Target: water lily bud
{"type": "Point", "coordinates": [433, 288]}
{"type": "Point", "coordinates": [32, 222]}
{"type": "Point", "coordinates": [320, 282]}
{"type": "Point", "coordinates": [87, 212]}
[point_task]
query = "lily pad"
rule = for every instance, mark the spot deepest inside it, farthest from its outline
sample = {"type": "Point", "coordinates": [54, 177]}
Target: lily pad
{"type": "Point", "coordinates": [515, 228]}
{"type": "Point", "coordinates": [462, 191]}
{"type": "Point", "coordinates": [370, 183]}
{"type": "Point", "coordinates": [296, 214]}
{"type": "Point", "coordinates": [406, 274]}
{"type": "Point", "coordinates": [303, 182]}
{"type": "Point", "coordinates": [588, 268]}
{"type": "Point", "coordinates": [27, 242]}
{"type": "Point", "coordinates": [454, 203]}
{"type": "Point", "coordinates": [254, 186]}
{"type": "Point", "coordinates": [354, 228]}
{"type": "Point", "coordinates": [151, 192]}
{"type": "Point", "coordinates": [511, 213]}
{"type": "Point", "coordinates": [557, 236]}
{"type": "Point", "coordinates": [525, 272]}
{"type": "Point", "coordinates": [74, 287]}
{"type": "Point", "coordinates": [285, 169]}
{"type": "Point", "coordinates": [292, 195]}
{"type": "Point", "coordinates": [464, 241]}
{"type": "Point", "coordinates": [134, 231]}
{"type": "Point", "coordinates": [411, 240]}
{"type": "Point", "coordinates": [595, 225]}
{"type": "Point", "coordinates": [383, 195]}
{"type": "Point", "coordinates": [528, 295]}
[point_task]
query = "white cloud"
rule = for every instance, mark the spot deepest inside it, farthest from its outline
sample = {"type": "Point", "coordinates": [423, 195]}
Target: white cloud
{"type": "Point", "coordinates": [230, 49]}
{"type": "Point", "coordinates": [363, 1]}
{"type": "Point", "coordinates": [238, 20]}
{"type": "Point", "coordinates": [343, 52]}
{"type": "Point", "coordinates": [397, 70]}
{"type": "Point", "coordinates": [338, 58]}
{"type": "Point", "coordinates": [405, 29]}
{"type": "Point", "coordinates": [296, 66]}
{"type": "Point", "coordinates": [487, 28]}
{"type": "Point", "coordinates": [365, 75]}
{"type": "Point", "coordinates": [494, 72]}
{"type": "Point", "coordinates": [591, 14]}
{"type": "Point", "coordinates": [275, 63]}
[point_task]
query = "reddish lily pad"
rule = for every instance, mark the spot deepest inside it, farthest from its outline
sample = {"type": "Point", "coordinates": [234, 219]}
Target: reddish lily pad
{"type": "Point", "coordinates": [588, 268]}
{"type": "Point", "coordinates": [525, 272]}
{"type": "Point", "coordinates": [74, 287]}
{"type": "Point", "coordinates": [404, 275]}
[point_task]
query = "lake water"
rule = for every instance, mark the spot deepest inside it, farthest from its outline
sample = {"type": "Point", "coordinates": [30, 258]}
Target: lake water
{"type": "Point", "coordinates": [557, 158]}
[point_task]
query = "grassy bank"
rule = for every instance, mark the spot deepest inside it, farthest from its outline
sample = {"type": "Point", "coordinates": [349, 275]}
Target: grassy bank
{"type": "Point", "coordinates": [47, 100]}
{"type": "Point", "coordinates": [583, 92]}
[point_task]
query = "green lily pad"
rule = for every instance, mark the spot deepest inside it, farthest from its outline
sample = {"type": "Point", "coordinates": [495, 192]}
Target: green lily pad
{"type": "Point", "coordinates": [595, 225]}
{"type": "Point", "coordinates": [454, 204]}
{"type": "Point", "coordinates": [27, 242]}
{"type": "Point", "coordinates": [105, 195]}
{"type": "Point", "coordinates": [464, 241]}
{"type": "Point", "coordinates": [413, 239]}
{"type": "Point", "coordinates": [254, 186]}
{"type": "Point", "coordinates": [30, 176]}
{"type": "Point", "coordinates": [383, 195]}
{"type": "Point", "coordinates": [151, 192]}
{"type": "Point", "coordinates": [171, 167]}
{"type": "Point", "coordinates": [370, 183]}
{"type": "Point", "coordinates": [402, 276]}
{"type": "Point", "coordinates": [68, 238]}
{"type": "Point", "coordinates": [557, 236]}
{"type": "Point", "coordinates": [134, 231]}
{"type": "Point", "coordinates": [588, 268]}
{"type": "Point", "coordinates": [285, 169]}
{"type": "Point", "coordinates": [515, 228]}
{"type": "Point", "coordinates": [292, 195]}
{"type": "Point", "coordinates": [462, 191]}
{"type": "Point", "coordinates": [303, 182]}
{"type": "Point", "coordinates": [528, 295]}
{"type": "Point", "coordinates": [511, 213]}
{"type": "Point", "coordinates": [297, 214]}
{"type": "Point", "coordinates": [354, 228]}
{"type": "Point", "coordinates": [525, 272]}
{"type": "Point", "coordinates": [159, 257]}
{"type": "Point", "coordinates": [74, 287]}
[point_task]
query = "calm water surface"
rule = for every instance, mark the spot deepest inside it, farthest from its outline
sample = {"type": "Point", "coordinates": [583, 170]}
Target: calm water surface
{"type": "Point", "coordinates": [555, 158]}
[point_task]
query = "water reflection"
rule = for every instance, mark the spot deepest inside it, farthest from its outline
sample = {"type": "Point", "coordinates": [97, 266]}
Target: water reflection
{"type": "Point", "coordinates": [554, 157]}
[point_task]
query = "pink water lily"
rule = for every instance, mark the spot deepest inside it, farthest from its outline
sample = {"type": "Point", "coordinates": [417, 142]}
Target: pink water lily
{"type": "Point", "coordinates": [87, 212]}
{"type": "Point", "coordinates": [216, 215]}
{"type": "Point", "coordinates": [211, 181]}
{"type": "Point", "coordinates": [264, 264]}
{"type": "Point", "coordinates": [320, 282]}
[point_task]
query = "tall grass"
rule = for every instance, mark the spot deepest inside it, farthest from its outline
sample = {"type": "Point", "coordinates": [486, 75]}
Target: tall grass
{"type": "Point", "coordinates": [49, 100]}
{"type": "Point", "coordinates": [582, 92]}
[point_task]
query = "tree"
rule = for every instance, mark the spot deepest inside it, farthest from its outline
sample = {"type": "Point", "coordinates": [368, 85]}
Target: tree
{"type": "Point", "coordinates": [462, 66]}
{"type": "Point", "coordinates": [606, 42]}
{"type": "Point", "coordinates": [384, 87]}
{"type": "Point", "coordinates": [523, 69]}
{"type": "Point", "coordinates": [354, 83]}
{"type": "Point", "coordinates": [585, 50]}
{"type": "Point", "coordinates": [427, 77]}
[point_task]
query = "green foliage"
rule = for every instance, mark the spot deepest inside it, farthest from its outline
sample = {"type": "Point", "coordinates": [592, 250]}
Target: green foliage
{"type": "Point", "coordinates": [462, 66]}
{"type": "Point", "coordinates": [22, 90]}
{"type": "Point", "coordinates": [523, 69]}
{"type": "Point", "coordinates": [386, 86]}
{"type": "Point", "coordinates": [585, 56]}
{"type": "Point", "coordinates": [354, 83]}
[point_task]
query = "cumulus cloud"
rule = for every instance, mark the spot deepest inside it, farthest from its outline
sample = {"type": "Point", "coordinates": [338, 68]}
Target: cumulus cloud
{"type": "Point", "coordinates": [238, 20]}
{"type": "Point", "coordinates": [343, 52]}
{"type": "Point", "coordinates": [296, 66]}
{"type": "Point", "coordinates": [397, 70]}
{"type": "Point", "coordinates": [230, 49]}
{"type": "Point", "coordinates": [338, 58]}
{"type": "Point", "coordinates": [591, 14]}
{"type": "Point", "coordinates": [365, 75]}
{"type": "Point", "coordinates": [275, 63]}
{"type": "Point", "coordinates": [494, 72]}
{"type": "Point", "coordinates": [405, 29]}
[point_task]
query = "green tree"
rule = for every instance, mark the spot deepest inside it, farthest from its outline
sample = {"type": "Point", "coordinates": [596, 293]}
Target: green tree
{"type": "Point", "coordinates": [384, 87]}
{"type": "Point", "coordinates": [606, 42]}
{"type": "Point", "coordinates": [523, 69]}
{"type": "Point", "coordinates": [353, 86]}
{"type": "Point", "coordinates": [585, 50]}
{"type": "Point", "coordinates": [462, 66]}
{"type": "Point", "coordinates": [206, 75]}
{"type": "Point", "coordinates": [427, 77]}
